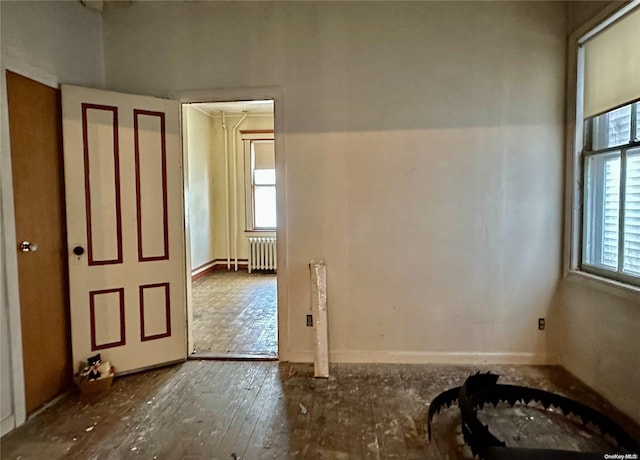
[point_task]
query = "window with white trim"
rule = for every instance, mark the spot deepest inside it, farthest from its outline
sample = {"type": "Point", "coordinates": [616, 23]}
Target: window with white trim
{"type": "Point", "coordinates": [260, 182]}
{"type": "Point", "coordinates": [610, 154]}
{"type": "Point", "coordinates": [611, 214]}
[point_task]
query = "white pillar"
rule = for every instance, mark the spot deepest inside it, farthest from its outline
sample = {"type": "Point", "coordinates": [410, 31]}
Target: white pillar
{"type": "Point", "coordinates": [319, 311]}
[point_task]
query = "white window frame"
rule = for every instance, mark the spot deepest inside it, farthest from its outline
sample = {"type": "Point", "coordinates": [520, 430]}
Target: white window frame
{"type": "Point", "coordinates": [574, 159]}
{"type": "Point", "coordinates": [619, 152]}
{"type": "Point", "coordinates": [248, 138]}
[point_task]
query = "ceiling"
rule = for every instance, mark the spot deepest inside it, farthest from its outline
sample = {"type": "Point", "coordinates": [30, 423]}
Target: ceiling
{"type": "Point", "coordinates": [215, 108]}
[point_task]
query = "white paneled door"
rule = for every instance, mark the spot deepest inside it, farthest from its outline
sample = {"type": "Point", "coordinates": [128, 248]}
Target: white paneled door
{"type": "Point", "coordinates": [125, 231]}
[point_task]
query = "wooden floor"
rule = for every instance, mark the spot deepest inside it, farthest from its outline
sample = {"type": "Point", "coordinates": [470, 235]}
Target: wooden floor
{"type": "Point", "coordinates": [267, 410]}
{"type": "Point", "coordinates": [235, 313]}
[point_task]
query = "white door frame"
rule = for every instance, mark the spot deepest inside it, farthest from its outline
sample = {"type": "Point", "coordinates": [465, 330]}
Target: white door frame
{"type": "Point", "coordinates": [9, 266]}
{"type": "Point", "coordinates": [276, 94]}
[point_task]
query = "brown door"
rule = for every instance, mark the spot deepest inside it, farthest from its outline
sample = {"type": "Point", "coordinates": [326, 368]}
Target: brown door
{"type": "Point", "coordinates": [36, 158]}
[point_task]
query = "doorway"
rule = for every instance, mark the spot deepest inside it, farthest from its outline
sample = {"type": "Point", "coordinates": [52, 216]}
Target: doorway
{"type": "Point", "coordinates": [230, 199]}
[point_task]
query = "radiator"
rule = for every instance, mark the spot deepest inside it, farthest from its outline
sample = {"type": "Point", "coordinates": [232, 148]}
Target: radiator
{"type": "Point", "coordinates": [262, 253]}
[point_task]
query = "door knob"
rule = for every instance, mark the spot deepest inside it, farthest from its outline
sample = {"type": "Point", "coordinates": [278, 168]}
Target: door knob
{"type": "Point", "coordinates": [28, 246]}
{"type": "Point", "coordinates": [78, 250]}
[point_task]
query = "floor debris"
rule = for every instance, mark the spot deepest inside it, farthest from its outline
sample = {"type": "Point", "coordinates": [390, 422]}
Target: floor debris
{"type": "Point", "coordinates": [268, 423]}
{"type": "Point", "coordinates": [481, 389]}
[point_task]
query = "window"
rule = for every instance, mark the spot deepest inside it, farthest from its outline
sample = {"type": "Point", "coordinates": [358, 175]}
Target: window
{"type": "Point", "coordinates": [260, 181]}
{"type": "Point", "coordinates": [610, 150]}
{"type": "Point", "coordinates": [263, 171]}
{"type": "Point", "coordinates": [611, 215]}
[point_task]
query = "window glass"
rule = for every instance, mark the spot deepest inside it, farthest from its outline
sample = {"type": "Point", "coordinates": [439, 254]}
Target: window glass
{"type": "Point", "coordinates": [265, 206]}
{"type": "Point", "coordinates": [602, 198]}
{"type": "Point", "coordinates": [612, 128]}
{"type": "Point", "coordinates": [260, 181]}
{"type": "Point", "coordinates": [632, 214]}
{"type": "Point", "coordinates": [264, 177]}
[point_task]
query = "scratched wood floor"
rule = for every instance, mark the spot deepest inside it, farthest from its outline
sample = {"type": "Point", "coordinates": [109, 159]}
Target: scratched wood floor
{"type": "Point", "coordinates": [235, 313]}
{"type": "Point", "coordinates": [267, 410]}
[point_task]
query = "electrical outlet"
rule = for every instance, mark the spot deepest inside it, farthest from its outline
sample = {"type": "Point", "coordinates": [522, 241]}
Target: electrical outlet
{"type": "Point", "coordinates": [541, 324]}
{"type": "Point", "coordinates": [310, 320]}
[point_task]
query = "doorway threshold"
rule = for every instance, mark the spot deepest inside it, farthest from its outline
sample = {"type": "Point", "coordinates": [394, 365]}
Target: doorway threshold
{"type": "Point", "coordinates": [234, 356]}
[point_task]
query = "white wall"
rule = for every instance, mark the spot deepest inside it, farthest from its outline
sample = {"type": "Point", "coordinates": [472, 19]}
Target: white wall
{"type": "Point", "coordinates": [595, 334]}
{"type": "Point", "coordinates": [61, 39]}
{"type": "Point", "coordinates": [201, 199]}
{"type": "Point", "coordinates": [50, 42]}
{"type": "Point", "coordinates": [422, 158]}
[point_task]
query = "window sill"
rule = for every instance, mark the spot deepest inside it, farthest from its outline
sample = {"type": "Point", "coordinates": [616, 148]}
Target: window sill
{"type": "Point", "coordinates": [616, 288]}
{"type": "Point", "coordinates": [259, 233]}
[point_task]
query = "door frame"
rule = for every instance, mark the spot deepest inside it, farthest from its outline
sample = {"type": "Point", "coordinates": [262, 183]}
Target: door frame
{"type": "Point", "coordinates": [9, 267]}
{"type": "Point", "coordinates": [275, 93]}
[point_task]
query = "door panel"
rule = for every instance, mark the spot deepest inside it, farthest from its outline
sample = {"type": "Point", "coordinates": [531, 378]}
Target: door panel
{"type": "Point", "coordinates": [36, 158]}
{"type": "Point", "coordinates": [123, 178]}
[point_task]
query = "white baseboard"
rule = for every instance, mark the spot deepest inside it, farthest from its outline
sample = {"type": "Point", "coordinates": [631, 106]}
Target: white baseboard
{"type": "Point", "coordinates": [420, 357]}
{"type": "Point", "coordinates": [8, 424]}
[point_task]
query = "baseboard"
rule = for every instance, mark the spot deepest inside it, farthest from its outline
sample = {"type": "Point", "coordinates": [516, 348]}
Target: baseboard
{"type": "Point", "coordinates": [233, 357]}
{"type": "Point", "coordinates": [8, 424]}
{"type": "Point", "coordinates": [420, 357]}
{"type": "Point", "coordinates": [202, 267]}
{"type": "Point", "coordinates": [217, 264]}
